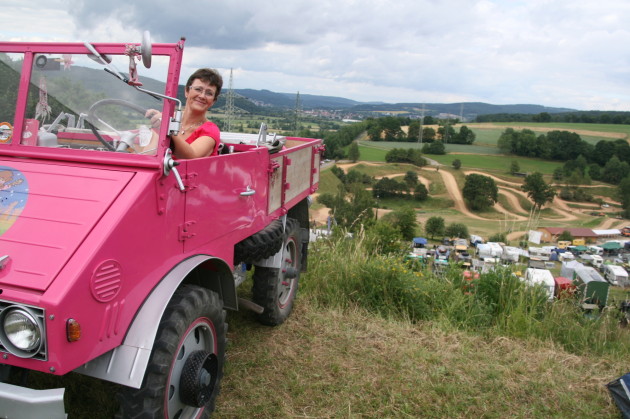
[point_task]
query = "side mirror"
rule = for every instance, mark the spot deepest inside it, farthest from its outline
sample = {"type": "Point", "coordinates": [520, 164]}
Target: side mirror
{"type": "Point", "coordinates": [145, 49]}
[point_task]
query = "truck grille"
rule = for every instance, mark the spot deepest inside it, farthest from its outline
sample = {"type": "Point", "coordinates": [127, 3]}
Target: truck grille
{"type": "Point", "coordinates": [106, 281]}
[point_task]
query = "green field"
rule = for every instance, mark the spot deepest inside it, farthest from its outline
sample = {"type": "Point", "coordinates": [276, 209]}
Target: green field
{"type": "Point", "coordinates": [537, 126]}
{"type": "Point", "coordinates": [587, 132]}
{"type": "Point", "coordinates": [376, 151]}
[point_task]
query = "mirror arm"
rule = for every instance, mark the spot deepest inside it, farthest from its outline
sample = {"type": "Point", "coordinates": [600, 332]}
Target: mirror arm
{"type": "Point", "coordinates": [176, 119]}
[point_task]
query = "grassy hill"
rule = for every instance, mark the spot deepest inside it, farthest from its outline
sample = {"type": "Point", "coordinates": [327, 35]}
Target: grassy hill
{"type": "Point", "coordinates": [371, 338]}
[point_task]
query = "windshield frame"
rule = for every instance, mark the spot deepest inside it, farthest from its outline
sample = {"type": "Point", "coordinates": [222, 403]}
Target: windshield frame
{"type": "Point", "coordinates": [30, 50]}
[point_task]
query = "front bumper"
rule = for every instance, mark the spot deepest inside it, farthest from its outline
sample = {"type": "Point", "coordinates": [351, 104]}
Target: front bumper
{"type": "Point", "coordinates": [21, 402]}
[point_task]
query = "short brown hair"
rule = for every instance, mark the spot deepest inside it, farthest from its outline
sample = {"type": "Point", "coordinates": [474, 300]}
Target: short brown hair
{"type": "Point", "coordinates": [207, 75]}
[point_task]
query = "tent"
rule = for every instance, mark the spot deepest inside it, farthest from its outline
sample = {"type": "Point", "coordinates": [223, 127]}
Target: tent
{"type": "Point", "coordinates": [419, 242]}
{"type": "Point", "coordinates": [611, 246]}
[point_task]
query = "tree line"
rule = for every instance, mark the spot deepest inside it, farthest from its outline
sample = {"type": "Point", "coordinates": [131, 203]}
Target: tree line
{"type": "Point", "coordinates": [607, 161]}
{"type": "Point", "coordinates": [585, 117]}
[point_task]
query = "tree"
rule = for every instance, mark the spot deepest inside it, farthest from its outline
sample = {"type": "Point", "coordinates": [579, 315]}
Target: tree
{"type": "Point", "coordinates": [411, 178]}
{"type": "Point", "coordinates": [465, 136]}
{"type": "Point", "coordinates": [410, 155]}
{"type": "Point", "coordinates": [387, 188]}
{"type": "Point", "coordinates": [514, 167]}
{"type": "Point", "coordinates": [405, 221]}
{"type": "Point", "coordinates": [457, 230]}
{"type": "Point", "coordinates": [374, 133]}
{"type": "Point", "coordinates": [339, 173]}
{"type": "Point", "coordinates": [595, 171]}
{"type": "Point", "coordinates": [565, 236]}
{"type": "Point", "coordinates": [352, 206]}
{"type": "Point", "coordinates": [413, 132]}
{"type": "Point", "coordinates": [623, 192]}
{"type": "Point", "coordinates": [384, 238]}
{"type": "Point", "coordinates": [353, 152]}
{"type": "Point", "coordinates": [457, 163]}
{"type": "Point", "coordinates": [480, 192]}
{"type": "Point", "coordinates": [615, 170]}
{"type": "Point", "coordinates": [446, 133]}
{"type": "Point", "coordinates": [436, 147]}
{"type": "Point", "coordinates": [428, 134]}
{"type": "Point", "coordinates": [434, 226]}
{"type": "Point", "coordinates": [538, 190]}
{"type": "Point", "coordinates": [420, 193]}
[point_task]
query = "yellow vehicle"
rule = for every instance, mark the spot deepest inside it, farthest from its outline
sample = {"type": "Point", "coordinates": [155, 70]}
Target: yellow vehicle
{"type": "Point", "coordinates": [563, 244]}
{"type": "Point", "coordinates": [579, 242]}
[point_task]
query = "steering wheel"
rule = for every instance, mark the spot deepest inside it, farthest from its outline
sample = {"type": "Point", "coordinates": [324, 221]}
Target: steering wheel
{"type": "Point", "coordinates": [93, 118]}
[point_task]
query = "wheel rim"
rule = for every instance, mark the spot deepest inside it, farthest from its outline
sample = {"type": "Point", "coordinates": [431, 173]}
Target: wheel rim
{"type": "Point", "coordinates": [200, 336]}
{"type": "Point", "coordinates": [288, 273]}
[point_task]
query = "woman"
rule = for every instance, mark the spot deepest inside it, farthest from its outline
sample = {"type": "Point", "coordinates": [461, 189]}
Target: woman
{"type": "Point", "coordinates": [197, 136]}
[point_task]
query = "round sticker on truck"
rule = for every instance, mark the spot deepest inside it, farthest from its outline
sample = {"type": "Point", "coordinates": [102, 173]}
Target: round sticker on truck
{"type": "Point", "coordinates": [6, 132]}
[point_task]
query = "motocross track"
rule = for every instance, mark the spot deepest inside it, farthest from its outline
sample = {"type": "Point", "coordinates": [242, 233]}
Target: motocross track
{"type": "Point", "coordinates": [508, 189]}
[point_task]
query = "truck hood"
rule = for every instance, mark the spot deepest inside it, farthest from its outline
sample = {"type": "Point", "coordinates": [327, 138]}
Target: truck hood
{"type": "Point", "coordinates": [46, 211]}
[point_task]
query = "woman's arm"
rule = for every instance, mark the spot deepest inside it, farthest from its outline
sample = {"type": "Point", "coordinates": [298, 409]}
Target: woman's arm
{"type": "Point", "coordinates": [202, 147]}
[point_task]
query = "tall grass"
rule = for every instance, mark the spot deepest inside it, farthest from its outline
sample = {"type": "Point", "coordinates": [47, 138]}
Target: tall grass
{"type": "Point", "coordinates": [353, 273]}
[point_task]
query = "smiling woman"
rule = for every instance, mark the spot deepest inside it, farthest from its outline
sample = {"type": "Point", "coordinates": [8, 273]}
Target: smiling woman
{"type": "Point", "coordinates": [197, 136]}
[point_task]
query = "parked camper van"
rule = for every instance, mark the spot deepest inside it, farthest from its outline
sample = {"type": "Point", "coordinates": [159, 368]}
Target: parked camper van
{"type": "Point", "coordinates": [597, 261]}
{"type": "Point", "coordinates": [541, 277]}
{"type": "Point", "coordinates": [616, 275]}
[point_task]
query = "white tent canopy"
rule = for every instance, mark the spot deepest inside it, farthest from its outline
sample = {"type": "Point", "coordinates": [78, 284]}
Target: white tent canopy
{"type": "Point", "coordinates": [608, 233]}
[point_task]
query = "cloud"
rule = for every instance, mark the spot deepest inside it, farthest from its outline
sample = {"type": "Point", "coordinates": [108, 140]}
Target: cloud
{"type": "Point", "coordinates": [550, 53]}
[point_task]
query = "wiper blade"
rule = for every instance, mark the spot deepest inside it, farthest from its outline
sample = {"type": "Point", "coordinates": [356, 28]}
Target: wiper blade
{"type": "Point", "coordinates": [107, 63]}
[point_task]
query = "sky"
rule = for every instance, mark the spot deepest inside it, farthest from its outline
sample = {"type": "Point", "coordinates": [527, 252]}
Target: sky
{"type": "Point", "coordinates": [569, 54]}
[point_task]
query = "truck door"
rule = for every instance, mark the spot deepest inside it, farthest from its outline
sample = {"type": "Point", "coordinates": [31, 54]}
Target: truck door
{"type": "Point", "coordinates": [226, 195]}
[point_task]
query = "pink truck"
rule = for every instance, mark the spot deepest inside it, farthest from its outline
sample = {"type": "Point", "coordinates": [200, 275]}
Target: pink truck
{"type": "Point", "coordinates": [117, 261]}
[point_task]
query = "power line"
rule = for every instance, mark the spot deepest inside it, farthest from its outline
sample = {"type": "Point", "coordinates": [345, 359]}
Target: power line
{"type": "Point", "coordinates": [229, 104]}
{"type": "Point", "coordinates": [298, 110]}
{"type": "Point", "coordinates": [421, 124]}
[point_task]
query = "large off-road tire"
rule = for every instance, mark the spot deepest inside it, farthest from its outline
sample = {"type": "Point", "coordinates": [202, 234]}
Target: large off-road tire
{"type": "Point", "coordinates": [261, 245]}
{"type": "Point", "coordinates": [186, 365]}
{"type": "Point", "coordinates": [275, 288]}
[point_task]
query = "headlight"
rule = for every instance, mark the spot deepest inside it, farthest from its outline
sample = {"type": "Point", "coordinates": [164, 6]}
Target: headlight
{"type": "Point", "coordinates": [21, 332]}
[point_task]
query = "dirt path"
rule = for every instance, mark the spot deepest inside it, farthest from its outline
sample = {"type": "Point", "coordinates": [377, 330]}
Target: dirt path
{"type": "Point", "coordinates": [496, 179]}
{"type": "Point", "coordinates": [456, 195]}
{"type": "Point", "coordinates": [611, 223]}
{"type": "Point", "coordinates": [509, 189]}
{"type": "Point", "coordinates": [515, 235]}
{"type": "Point", "coordinates": [513, 200]}
{"type": "Point", "coordinates": [512, 216]}
{"type": "Point", "coordinates": [426, 182]}
{"type": "Point", "coordinates": [565, 211]}
{"type": "Point", "coordinates": [346, 166]}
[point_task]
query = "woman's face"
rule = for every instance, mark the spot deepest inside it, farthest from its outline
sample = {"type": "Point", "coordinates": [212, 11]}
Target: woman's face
{"type": "Point", "coordinates": [201, 95]}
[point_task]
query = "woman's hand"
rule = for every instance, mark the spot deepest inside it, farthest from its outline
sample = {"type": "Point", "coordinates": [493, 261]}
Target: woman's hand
{"type": "Point", "coordinates": [155, 116]}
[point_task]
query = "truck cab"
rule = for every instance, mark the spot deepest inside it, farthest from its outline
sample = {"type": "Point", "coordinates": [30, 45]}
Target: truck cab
{"type": "Point", "coordinates": [117, 259]}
